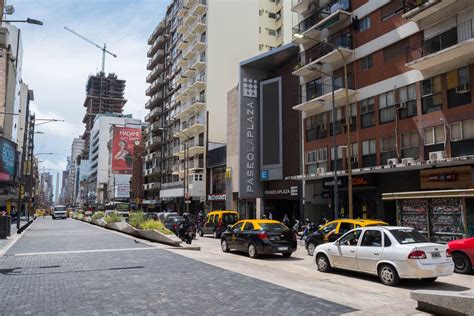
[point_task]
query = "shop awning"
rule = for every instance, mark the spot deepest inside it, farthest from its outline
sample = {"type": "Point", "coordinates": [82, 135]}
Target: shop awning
{"type": "Point", "coordinates": [428, 194]}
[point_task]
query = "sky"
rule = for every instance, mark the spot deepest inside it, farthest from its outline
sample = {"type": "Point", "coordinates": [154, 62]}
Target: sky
{"type": "Point", "coordinates": [56, 63]}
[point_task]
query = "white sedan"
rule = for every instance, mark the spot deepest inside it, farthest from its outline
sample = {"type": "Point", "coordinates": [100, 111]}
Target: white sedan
{"type": "Point", "coordinates": [389, 252]}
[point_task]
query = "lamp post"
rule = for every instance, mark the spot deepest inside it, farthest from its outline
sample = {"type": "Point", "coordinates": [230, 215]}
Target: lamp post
{"type": "Point", "coordinates": [186, 165]}
{"type": "Point", "coordinates": [28, 20]}
{"type": "Point", "coordinates": [348, 127]}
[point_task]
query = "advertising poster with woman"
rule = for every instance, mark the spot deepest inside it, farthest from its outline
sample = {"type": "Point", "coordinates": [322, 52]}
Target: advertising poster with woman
{"type": "Point", "coordinates": [125, 138]}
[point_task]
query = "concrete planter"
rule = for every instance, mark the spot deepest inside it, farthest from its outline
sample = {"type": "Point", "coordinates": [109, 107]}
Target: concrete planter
{"type": "Point", "coordinates": [99, 222]}
{"type": "Point", "coordinates": [155, 235]}
{"type": "Point", "coordinates": [123, 227]}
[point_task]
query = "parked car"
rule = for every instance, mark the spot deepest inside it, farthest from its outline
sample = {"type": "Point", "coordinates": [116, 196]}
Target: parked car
{"type": "Point", "coordinates": [172, 222]}
{"type": "Point", "coordinates": [335, 229]}
{"type": "Point", "coordinates": [259, 237]}
{"type": "Point", "coordinates": [163, 215]}
{"type": "Point", "coordinates": [462, 251]}
{"type": "Point", "coordinates": [216, 222]}
{"type": "Point", "coordinates": [391, 252]}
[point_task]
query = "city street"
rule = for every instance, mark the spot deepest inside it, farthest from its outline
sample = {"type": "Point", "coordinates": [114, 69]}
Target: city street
{"type": "Point", "coordinates": [71, 267]}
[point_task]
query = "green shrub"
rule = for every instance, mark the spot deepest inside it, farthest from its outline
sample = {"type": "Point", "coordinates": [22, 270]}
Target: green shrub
{"type": "Point", "coordinates": [136, 219]}
{"type": "Point", "coordinates": [155, 225]}
{"type": "Point", "coordinates": [113, 218]}
{"type": "Point", "coordinates": [98, 215]}
{"type": "Point", "coordinates": [79, 216]}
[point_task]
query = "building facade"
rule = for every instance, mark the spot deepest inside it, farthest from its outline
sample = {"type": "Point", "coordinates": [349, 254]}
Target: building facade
{"type": "Point", "coordinates": [194, 53]}
{"type": "Point", "coordinates": [403, 108]}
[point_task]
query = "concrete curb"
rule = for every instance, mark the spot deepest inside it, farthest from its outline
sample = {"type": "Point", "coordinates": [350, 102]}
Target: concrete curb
{"type": "Point", "coordinates": [14, 239]}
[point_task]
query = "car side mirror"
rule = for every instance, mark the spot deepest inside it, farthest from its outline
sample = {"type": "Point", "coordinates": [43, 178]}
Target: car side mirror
{"type": "Point", "coordinates": [337, 242]}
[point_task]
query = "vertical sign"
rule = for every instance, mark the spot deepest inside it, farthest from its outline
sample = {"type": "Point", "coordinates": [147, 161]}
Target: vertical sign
{"type": "Point", "coordinates": [124, 139]}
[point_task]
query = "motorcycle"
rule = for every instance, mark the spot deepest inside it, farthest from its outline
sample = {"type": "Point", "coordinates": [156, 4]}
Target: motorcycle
{"type": "Point", "coordinates": [297, 227]}
{"type": "Point", "coordinates": [185, 232]}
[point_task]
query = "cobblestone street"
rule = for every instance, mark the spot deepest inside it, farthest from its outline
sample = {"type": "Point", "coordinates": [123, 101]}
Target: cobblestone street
{"type": "Point", "coordinates": [68, 267]}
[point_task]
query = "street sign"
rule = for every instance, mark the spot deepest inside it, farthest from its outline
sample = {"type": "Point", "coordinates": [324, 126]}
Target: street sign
{"type": "Point", "coordinates": [264, 175]}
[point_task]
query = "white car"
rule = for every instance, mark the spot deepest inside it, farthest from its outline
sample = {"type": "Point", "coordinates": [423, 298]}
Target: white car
{"type": "Point", "coordinates": [390, 252]}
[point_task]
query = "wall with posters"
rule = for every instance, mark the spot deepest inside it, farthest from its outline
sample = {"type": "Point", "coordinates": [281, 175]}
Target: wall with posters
{"type": "Point", "coordinates": [7, 160]}
{"type": "Point", "coordinates": [123, 142]}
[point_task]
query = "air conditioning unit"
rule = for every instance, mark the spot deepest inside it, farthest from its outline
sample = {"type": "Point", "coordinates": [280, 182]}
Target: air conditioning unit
{"type": "Point", "coordinates": [463, 88]}
{"type": "Point", "coordinates": [321, 170]}
{"type": "Point", "coordinates": [392, 161]}
{"type": "Point", "coordinates": [408, 161]}
{"type": "Point", "coordinates": [402, 105]}
{"type": "Point", "coordinates": [436, 155]}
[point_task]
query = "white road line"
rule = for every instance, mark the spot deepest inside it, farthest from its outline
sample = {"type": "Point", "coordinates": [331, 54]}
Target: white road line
{"type": "Point", "coordinates": [81, 251]}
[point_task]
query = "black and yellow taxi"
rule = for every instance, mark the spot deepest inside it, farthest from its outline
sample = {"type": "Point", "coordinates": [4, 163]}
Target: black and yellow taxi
{"type": "Point", "coordinates": [217, 221]}
{"type": "Point", "coordinates": [335, 229]}
{"type": "Point", "coordinates": [259, 236]}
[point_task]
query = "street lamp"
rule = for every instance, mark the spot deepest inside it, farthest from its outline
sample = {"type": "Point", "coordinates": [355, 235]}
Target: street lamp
{"type": "Point", "coordinates": [186, 164]}
{"type": "Point", "coordinates": [28, 20]}
{"type": "Point", "coordinates": [349, 145]}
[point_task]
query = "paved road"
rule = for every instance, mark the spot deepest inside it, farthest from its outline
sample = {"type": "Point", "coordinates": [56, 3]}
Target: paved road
{"type": "Point", "coordinates": [69, 267]}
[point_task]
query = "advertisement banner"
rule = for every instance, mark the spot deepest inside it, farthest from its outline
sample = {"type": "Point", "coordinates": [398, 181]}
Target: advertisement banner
{"type": "Point", "coordinates": [7, 160]}
{"type": "Point", "coordinates": [124, 139]}
{"type": "Point", "coordinates": [122, 191]}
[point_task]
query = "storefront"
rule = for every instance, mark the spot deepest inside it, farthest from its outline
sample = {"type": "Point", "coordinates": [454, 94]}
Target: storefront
{"type": "Point", "coordinates": [282, 197]}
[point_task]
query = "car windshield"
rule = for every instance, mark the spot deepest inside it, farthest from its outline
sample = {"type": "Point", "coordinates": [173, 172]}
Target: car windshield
{"type": "Point", "coordinates": [59, 209]}
{"type": "Point", "coordinates": [408, 236]}
{"type": "Point", "coordinates": [229, 218]}
{"type": "Point", "coordinates": [273, 227]}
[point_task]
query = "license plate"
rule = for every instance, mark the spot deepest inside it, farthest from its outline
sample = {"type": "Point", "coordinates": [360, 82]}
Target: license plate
{"type": "Point", "coordinates": [282, 248]}
{"type": "Point", "coordinates": [435, 255]}
{"type": "Point", "coordinates": [274, 238]}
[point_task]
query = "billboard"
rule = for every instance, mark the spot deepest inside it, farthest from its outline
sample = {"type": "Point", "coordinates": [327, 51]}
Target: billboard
{"type": "Point", "coordinates": [122, 191]}
{"type": "Point", "coordinates": [7, 160]}
{"type": "Point", "coordinates": [123, 142]}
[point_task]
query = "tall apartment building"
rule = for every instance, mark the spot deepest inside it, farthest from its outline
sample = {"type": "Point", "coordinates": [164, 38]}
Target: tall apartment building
{"type": "Point", "coordinates": [72, 190]}
{"type": "Point", "coordinates": [410, 114]}
{"type": "Point", "coordinates": [194, 56]}
{"type": "Point", "coordinates": [104, 94]}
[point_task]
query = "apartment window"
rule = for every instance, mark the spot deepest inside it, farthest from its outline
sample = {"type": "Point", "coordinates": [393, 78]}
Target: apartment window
{"type": "Point", "coordinates": [409, 144]}
{"type": "Point", "coordinates": [364, 24]}
{"type": "Point", "coordinates": [261, 46]}
{"type": "Point", "coordinates": [278, 32]}
{"type": "Point", "coordinates": [387, 148]}
{"type": "Point", "coordinates": [392, 8]}
{"type": "Point", "coordinates": [316, 159]}
{"type": "Point", "coordinates": [271, 32]}
{"type": "Point", "coordinates": [369, 153]}
{"type": "Point", "coordinates": [462, 130]}
{"type": "Point", "coordinates": [431, 95]}
{"type": "Point", "coordinates": [407, 101]}
{"type": "Point", "coordinates": [316, 127]}
{"type": "Point", "coordinates": [459, 88]}
{"type": "Point", "coordinates": [367, 112]}
{"type": "Point", "coordinates": [387, 107]}
{"type": "Point", "coordinates": [338, 121]}
{"type": "Point", "coordinates": [271, 15]}
{"type": "Point", "coordinates": [355, 155]}
{"type": "Point", "coordinates": [260, 12]}
{"type": "Point", "coordinates": [353, 116]}
{"type": "Point", "coordinates": [338, 162]}
{"type": "Point", "coordinates": [434, 135]}
{"type": "Point", "coordinates": [366, 62]}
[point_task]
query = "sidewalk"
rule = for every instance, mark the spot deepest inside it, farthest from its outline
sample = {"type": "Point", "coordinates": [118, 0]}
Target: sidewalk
{"type": "Point", "coordinates": [5, 244]}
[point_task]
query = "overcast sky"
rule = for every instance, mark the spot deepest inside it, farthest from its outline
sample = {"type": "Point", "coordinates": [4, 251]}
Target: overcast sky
{"type": "Point", "coordinates": [56, 63]}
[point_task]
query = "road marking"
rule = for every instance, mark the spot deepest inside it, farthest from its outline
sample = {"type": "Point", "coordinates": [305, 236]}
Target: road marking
{"type": "Point", "coordinates": [80, 251]}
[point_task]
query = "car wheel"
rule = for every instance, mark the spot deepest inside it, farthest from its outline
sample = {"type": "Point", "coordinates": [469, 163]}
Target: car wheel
{"type": "Point", "coordinates": [287, 254]}
{"type": "Point", "coordinates": [388, 275]}
{"type": "Point", "coordinates": [310, 248]}
{"type": "Point", "coordinates": [462, 264]}
{"type": "Point", "coordinates": [429, 280]}
{"type": "Point", "coordinates": [224, 245]}
{"type": "Point", "coordinates": [215, 235]}
{"type": "Point", "coordinates": [201, 234]}
{"type": "Point", "coordinates": [323, 263]}
{"type": "Point", "coordinates": [252, 251]}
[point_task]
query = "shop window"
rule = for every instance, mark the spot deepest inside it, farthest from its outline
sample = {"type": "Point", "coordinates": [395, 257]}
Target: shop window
{"type": "Point", "coordinates": [369, 153]}
{"type": "Point", "coordinates": [367, 112]}
{"type": "Point", "coordinates": [388, 148]}
{"type": "Point", "coordinates": [407, 101]}
{"type": "Point", "coordinates": [431, 95]}
{"type": "Point", "coordinates": [364, 24]}
{"type": "Point", "coordinates": [392, 8]}
{"type": "Point", "coordinates": [410, 144]}
{"type": "Point", "coordinates": [387, 107]}
{"type": "Point", "coordinates": [459, 87]}
{"type": "Point", "coordinates": [434, 135]}
{"type": "Point", "coordinates": [366, 62]}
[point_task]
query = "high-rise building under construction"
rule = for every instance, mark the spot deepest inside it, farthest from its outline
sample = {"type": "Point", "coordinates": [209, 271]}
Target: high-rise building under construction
{"type": "Point", "coordinates": [104, 94]}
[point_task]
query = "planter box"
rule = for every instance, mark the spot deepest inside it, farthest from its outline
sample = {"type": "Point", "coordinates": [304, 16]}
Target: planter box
{"type": "Point", "coordinates": [99, 222]}
{"type": "Point", "coordinates": [155, 235]}
{"type": "Point", "coordinates": [123, 227]}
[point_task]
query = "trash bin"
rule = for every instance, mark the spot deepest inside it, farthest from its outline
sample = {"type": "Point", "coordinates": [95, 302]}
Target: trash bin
{"type": "Point", "coordinates": [9, 226]}
{"type": "Point", "coordinates": [4, 227]}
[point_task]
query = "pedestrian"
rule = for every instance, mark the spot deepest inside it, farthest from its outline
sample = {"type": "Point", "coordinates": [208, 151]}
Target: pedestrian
{"type": "Point", "coordinates": [286, 220]}
{"type": "Point", "coordinates": [270, 215]}
{"type": "Point", "coordinates": [264, 216]}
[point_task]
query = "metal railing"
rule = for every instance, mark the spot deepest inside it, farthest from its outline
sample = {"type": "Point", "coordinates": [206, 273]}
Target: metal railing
{"type": "Point", "coordinates": [317, 90]}
{"type": "Point", "coordinates": [320, 13]}
{"type": "Point", "coordinates": [442, 40]}
{"type": "Point", "coordinates": [409, 5]}
{"type": "Point", "coordinates": [320, 50]}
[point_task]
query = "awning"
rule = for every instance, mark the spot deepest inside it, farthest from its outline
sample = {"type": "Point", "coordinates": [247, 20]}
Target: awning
{"type": "Point", "coordinates": [428, 194]}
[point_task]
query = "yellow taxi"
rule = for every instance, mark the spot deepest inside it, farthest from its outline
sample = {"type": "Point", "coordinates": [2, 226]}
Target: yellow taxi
{"type": "Point", "coordinates": [217, 221]}
{"type": "Point", "coordinates": [335, 229]}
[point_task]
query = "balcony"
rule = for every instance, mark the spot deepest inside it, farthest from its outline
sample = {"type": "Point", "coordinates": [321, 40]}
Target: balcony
{"type": "Point", "coordinates": [417, 10]}
{"type": "Point", "coordinates": [159, 29]}
{"type": "Point", "coordinates": [189, 37]}
{"type": "Point", "coordinates": [160, 40]}
{"type": "Point", "coordinates": [153, 88]}
{"type": "Point", "coordinates": [198, 82]}
{"type": "Point", "coordinates": [153, 142]}
{"type": "Point", "coordinates": [196, 147]}
{"type": "Point", "coordinates": [192, 126]}
{"type": "Point", "coordinates": [315, 96]}
{"type": "Point", "coordinates": [159, 55]}
{"type": "Point", "coordinates": [337, 17]}
{"type": "Point", "coordinates": [182, 62]}
{"type": "Point", "coordinates": [188, 71]}
{"type": "Point", "coordinates": [181, 94]}
{"type": "Point", "coordinates": [154, 73]}
{"type": "Point", "coordinates": [182, 45]}
{"type": "Point", "coordinates": [198, 63]}
{"type": "Point", "coordinates": [199, 26]}
{"type": "Point", "coordinates": [194, 106]}
{"type": "Point", "coordinates": [189, 19]}
{"type": "Point", "coordinates": [300, 6]}
{"type": "Point", "coordinates": [182, 12]}
{"type": "Point", "coordinates": [154, 100]}
{"type": "Point", "coordinates": [152, 186]}
{"type": "Point", "coordinates": [323, 53]}
{"type": "Point", "coordinates": [153, 113]}
{"type": "Point", "coordinates": [182, 28]}
{"type": "Point", "coordinates": [449, 49]}
{"type": "Point", "coordinates": [199, 8]}
{"type": "Point", "coordinates": [152, 127]}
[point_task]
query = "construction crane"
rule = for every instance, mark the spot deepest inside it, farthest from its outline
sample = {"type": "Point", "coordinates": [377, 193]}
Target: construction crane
{"type": "Point", "coordinates": [103, 49]}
